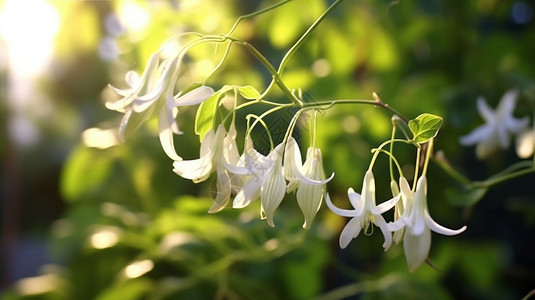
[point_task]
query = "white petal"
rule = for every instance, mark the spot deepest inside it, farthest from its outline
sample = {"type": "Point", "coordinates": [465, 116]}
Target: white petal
{"type": "Point", "coordinates": [121, 104]}
{"type": "Point", "coordinates": [416, 248]}
{"type": "Point", "coordinates": [416, 219]}
{"type": "Point", "coordinates": [385, 206]}
{"type": "Point", "coordinates": [507, 103]}
{"type": "Point", "coordinates": [339, 211]}
{"type": "Point", "coordinates": [350, 231]}
{"type": "Point", "coordinates": [485, 111]}
{"type": "Point", "coordinates": [240, 201]}
{"type": "Point", "coordinates": [355, 199]}
{"type": "Point", "coordinates": [396, 225]}
{"type": "Point", "coordinates": [434, 226]}
{"type": "Point", "coordinates": [272, 192]}
{"type": "Point", "coordinates": [251, 191]}
{"type": "Point", "coordinates": [481, 133]}
{"type": "Point", "coordinates": [381, 223]}
{"type": "Point", "coordinates": [292, 164]}
{"type": "Point", "coordinates": [223, 190]}
{"type": "Point", "coordinates": [133, 79]}
{"type": "Point", "coordinates": [194, 96]}
{"type": "Point", "coordinates": [404, 186]}
{"type": "Point", "coordinates": [208, 142]}
{"type": "Point", "coordinates": [197, 169]}
{"type": "Point", "coordinates": [165, 122]}
{"type": "Point", "coordinates": [309, 199]}
{"type": "Point", "coordinates": [514, 125]}
{"type": "Point", "coordinates": [141, 103]}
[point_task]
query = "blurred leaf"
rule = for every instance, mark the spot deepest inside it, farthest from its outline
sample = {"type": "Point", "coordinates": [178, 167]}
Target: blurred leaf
{"type": "Point", "coordinates": [130, 290]}
{"type": "Point", "coordinates": [425, 127]}
{"type": "Point", "coordinates": [464, 196]}
{"type": "Point", "coordinates": [84, 171]}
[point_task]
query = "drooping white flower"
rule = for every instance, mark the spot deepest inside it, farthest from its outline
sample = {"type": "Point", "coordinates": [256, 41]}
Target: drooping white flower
{"type": "Point", "coordinates": [216, 151]}
{"type": "Point", "coordinates": [251, 167]}
{"type": "Point", "coordinates": [308, 179]}
{"type": "Point", "coordinates": [499, 127]}
{"type": "Point", "coordinates": [365, 212]}
{"type": "Point", "coordinates": [418, 223]}
{"type": "Point", "coordinates": [153, 94]}
{"type": "Point", "coordinates": [263, 178]}
{"type": "Point", "coordinates": [273, 186]}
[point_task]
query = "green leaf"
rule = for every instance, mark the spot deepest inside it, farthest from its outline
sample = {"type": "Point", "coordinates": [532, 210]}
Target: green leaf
{"type": "Point", "coordinates": [131, 289]}
{"type": "Point", "coordinates": [465, 196]}
{"type": "Point", "coordinates": [248, 92]}
{"type": "Point", "coordinates": [425, 127]}
{"type": "Point", "coordinates": [205, 114]}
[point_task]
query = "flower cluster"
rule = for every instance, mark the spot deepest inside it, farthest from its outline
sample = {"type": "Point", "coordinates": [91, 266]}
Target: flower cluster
{"type": "Point", "coordinates": [413, 224]}
{"type": "Point", "coordinates": [252, 175]}
{"type": "Point", "coordinates": [248, 175]}
{"type": "Point", "coordinates": [153, 93]}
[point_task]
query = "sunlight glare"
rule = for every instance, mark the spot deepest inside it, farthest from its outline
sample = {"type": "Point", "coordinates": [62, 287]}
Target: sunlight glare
{"type": "Point", "coordinates": [138, 268]}
{"type": "Point", "coordinates": [27, 26]}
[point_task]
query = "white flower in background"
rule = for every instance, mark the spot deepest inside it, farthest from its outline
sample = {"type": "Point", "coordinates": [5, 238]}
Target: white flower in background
{"type": "Point", "coordinates": [525, 143]}
{"type": "Point", "coordinates": [308, 179]}
{"type": "Point", "coordinates": [153, 93]}
{"type": "Point", "coordinates": [216, 150]}
{"type": "Point", "coordinates": [365, 212]}
{"type": "Point", "coordinates": [418, 223]}
{"type": "Point", "coordinates": [499, 127]}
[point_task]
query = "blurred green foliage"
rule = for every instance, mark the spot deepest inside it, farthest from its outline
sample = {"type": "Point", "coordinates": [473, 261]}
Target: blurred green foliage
{"type": "Point", "coordinates": [131, 229]}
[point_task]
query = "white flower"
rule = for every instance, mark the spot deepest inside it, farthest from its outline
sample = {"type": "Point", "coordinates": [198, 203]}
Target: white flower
{"type": "Point", "coordinates": [273, 186]}
{"type": "Point", "coordinates": [308, 179]}
{"type": "Point", "coordinates": [251, 166]}
{"type": "Point", "coordinates": [418, 223]}
{"type": "Point", "coordinates": [500, 125]}
{"type": "Point", "coordinates": [153, 94]}
{"type": "Point", "coordinates": [264, 179]}
{"type": "Point", "coordinates": [365, 212]}
{"type": "Point", "coordinates": [216, 151]}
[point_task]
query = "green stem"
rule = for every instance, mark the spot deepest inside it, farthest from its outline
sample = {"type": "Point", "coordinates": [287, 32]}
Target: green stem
{"type": "Point", "coordinates": [379, 103]}
{"type": "Point", "coordinates": [276, 77]}
{"type": "Point", "coordinates": [428, 154]}
{"type": "Point", "coordinates": [299, 42]}
{"type": "Point", "coordinates": [495, 180]}
{"type": "Point", "coordinates": [259, 118]}
{"type": "Point", "coordinates": [254, 14]}
{"type": "Point", "coordinates": [451, 171]}
{"type": "Point", "coordinates": [377, 150]}
{"type": "Point", "coordinates": [392, 151]}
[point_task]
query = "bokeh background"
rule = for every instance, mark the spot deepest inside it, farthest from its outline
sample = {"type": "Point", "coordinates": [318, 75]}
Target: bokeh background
{"type": "Point", "coordinates": [86, 217]}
